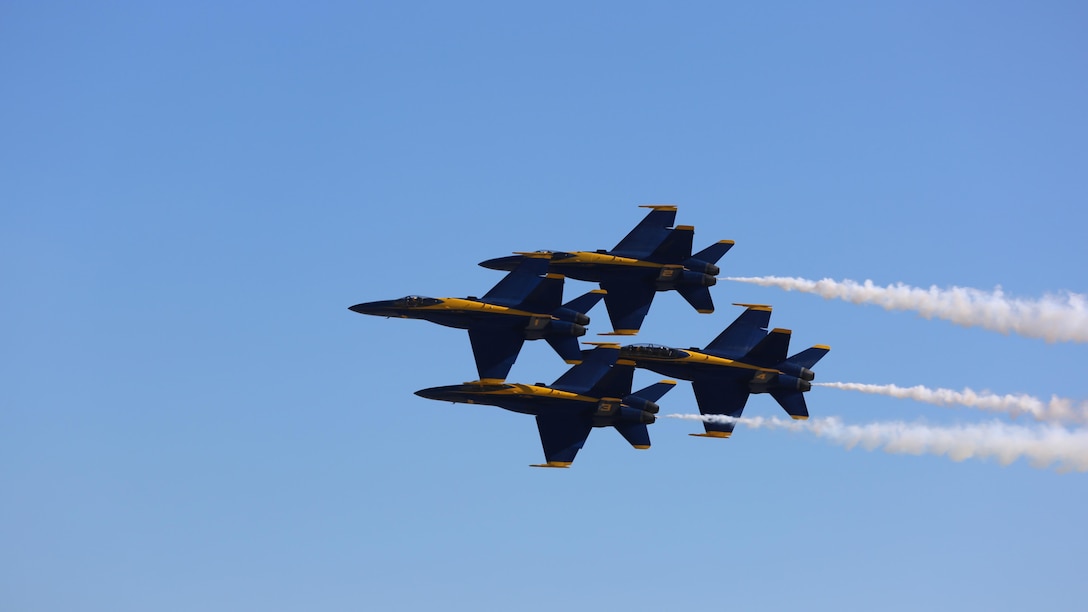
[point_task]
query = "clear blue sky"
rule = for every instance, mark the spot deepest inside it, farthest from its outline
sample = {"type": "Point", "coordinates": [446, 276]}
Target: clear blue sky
{"type": "Point", "coordinates": [192, 194]}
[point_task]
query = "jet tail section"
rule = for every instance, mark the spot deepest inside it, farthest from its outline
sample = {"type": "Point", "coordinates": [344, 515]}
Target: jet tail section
{"type": "Point", "coordinates": [676, 247]}
{"type": "Point", "coordinates": [585, 302]}
{"type": "Point", "coordinates": [771, 350]}
{"type": "Point", "coordinates": [714, 252]}
{"type": "Point", "coordinates": [698, 297]}
{"type": "Point", "coordinates": [808, 357]}
{"type": "Point", "coordinates": [567, 347]}
{"type": "Point", "coordinates": [635, 433]}
{"type": "Point", "coordinates": [793, 402]}
{"type": "Point", "coordinates": [655, 391]}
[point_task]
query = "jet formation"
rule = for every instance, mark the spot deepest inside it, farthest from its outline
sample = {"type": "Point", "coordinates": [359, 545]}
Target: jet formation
{"type": "Point", "coordinates": [527, 304]}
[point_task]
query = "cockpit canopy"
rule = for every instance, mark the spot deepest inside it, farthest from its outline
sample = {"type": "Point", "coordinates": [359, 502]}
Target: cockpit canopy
{"type": "Point", "coordinates": [415, 301]}
{"type": "Point", "coordinates": [654, 350]}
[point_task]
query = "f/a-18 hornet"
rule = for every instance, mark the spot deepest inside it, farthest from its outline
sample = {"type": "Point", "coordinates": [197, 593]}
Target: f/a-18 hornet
{"type": "Point", "coordinates": [655, 256]}
{"type": "Point", "coordinates": [594, 393]}
{"type": "Point", "coordinates": [743, 359]}
{"type": "Point", "coordinates": [525, 305]}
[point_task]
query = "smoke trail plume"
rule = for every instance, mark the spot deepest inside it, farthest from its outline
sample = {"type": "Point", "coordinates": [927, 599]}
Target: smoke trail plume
{"type": "Point", "coordinates": [1042, 445]}
{"type": "Point", "coordinates": [1058, 409]}
{"type": "Point", "coordinates": [1055, 318]}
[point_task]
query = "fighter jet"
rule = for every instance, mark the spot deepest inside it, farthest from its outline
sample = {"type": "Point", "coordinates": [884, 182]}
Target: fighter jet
{"type": "Point", "coordinates": [525, 305]}
{"type": "Point", "coordinates": [655, 256]}
{"type": "Point", "coordinates": [743, 359]}
{"type": "Point", "coordinates": [595, 393]}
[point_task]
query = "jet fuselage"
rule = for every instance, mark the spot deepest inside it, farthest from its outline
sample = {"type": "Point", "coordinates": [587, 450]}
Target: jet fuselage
{"type": "Point", "coordinates": [541, 400]}
{"type": "Point", "coordinates": [691, 364]}
{"type": "Point", "coordinates": [467, 313]}
{"type": "Point", "coordinates": [602, 266]}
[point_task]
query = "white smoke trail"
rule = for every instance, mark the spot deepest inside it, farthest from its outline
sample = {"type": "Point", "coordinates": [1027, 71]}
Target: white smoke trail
{"type": "Point", "coordinates": [1058, 409]}
{"type": "Point", "coordinates": [1042, 445]}
{"type": "Point", "coordinates": [1055, 318]}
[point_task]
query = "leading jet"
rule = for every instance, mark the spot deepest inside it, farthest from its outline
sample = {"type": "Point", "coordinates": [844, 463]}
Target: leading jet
{"type": "Point", "coordinates": [594, 393]}
{"type": "Point", "coordinates": [525, 305]}
{"type": "Point", "coordinates": [654, 256]}
{"type": "Point", "coordinates": [743, 359]}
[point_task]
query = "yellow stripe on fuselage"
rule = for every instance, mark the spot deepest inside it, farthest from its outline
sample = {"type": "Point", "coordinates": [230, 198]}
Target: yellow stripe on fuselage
{"type": "Point", "coordinates": [589, 257]}
{"type": "Point", "coordinates": [537, 391]}
{"type": "Point", "coordinates": [463, 305]}
{"type": "Point", "coordinates": [695, 357]}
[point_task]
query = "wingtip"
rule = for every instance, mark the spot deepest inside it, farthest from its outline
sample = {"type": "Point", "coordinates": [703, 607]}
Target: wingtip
{"type": "Point", "coordinates": [551, 464]}
{"type": "Point", "coordinates": [712, 434]}
{"type": "Point", "coordinates": [620, 332]}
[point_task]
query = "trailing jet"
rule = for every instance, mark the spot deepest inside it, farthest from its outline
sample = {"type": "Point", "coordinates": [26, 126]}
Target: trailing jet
{"type": "Point", "coordinates": [743, 359]}
{"type": "Point", "coordinates": [525, 305]}
{"type": "Point", "coordinates": [655, 256]}
{"type": "Point", "coordinates": [594, 393]}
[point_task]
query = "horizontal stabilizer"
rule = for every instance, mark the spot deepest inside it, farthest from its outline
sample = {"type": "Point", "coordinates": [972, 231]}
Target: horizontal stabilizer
{"type": "Point", "coordinates": [698, 297]}
{"type": "Point", "coordinates": [655, 391]}
{"type": "Point", "coordinates": [771, 350]}
{"type": "Point", "coordinates": [636, 434]}
{"type": "Point", "coordinates": [743, 333]}
{"type": "Point", "coordinates": [793, 402]}
{"type": "Point", "coordinates": [714, 252]}
{"type": "Point", "coordinates": [585, 302]}
{"type": "Point", "coordinates": [808, 357]}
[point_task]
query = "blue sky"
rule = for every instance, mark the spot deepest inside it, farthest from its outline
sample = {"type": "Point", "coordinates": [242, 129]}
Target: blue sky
{"type": "Point", "coordinates": [194, 194]}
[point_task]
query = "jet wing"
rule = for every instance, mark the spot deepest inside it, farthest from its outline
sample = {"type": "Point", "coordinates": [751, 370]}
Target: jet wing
{"type": "Point", "coordinates": [627, 303]}
{"type": "Point", "coordinates": [726, 397]}
{"type": "Point", "coordinates": [495, 351]}
{"type": "Point", "coordinates": [648, 234]}
{"type": "Point", "coordinates": [562, 437]}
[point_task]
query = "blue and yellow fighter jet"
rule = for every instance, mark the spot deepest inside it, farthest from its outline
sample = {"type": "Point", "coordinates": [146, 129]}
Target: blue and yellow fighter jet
{"type": "Point", "coordinates": [594, 393]}
{"type": "Point", "coordinates": [525, 305]}
{"type": "Point", "coordinates": [655, 256]}
{"type": "Point", "coordinates": [743, 359]}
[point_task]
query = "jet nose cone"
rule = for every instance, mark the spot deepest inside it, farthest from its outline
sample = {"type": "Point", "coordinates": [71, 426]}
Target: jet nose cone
{"type": "Point", "coordinates": [371, 308]}
{"type": "Point", "coordinates": [502, 263]}
{"type": "Point", "coordinates": [442, 394]}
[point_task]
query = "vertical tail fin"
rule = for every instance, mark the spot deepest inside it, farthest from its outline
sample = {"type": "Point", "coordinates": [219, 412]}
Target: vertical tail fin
{"type": "Point", "coordinates": [771, 350]}
{"type": "Point", "coordinates": [635, 433]}
{"type": "Point", "coordinates": [698, 297]}
{"type": "Point", "coordinates": [743, 333]}
{"type": "Point", "coordinates": [793, 402]}
{"type": "Point", "coordinates": [567, 347]}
